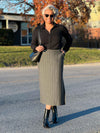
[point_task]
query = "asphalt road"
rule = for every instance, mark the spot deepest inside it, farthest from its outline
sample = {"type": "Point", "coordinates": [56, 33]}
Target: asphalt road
{"type": "Point", "coordinates": [22, 112]}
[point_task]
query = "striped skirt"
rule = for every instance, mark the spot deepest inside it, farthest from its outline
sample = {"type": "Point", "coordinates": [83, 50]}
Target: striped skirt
{"type": "Point", "coordinates": [52, 90]}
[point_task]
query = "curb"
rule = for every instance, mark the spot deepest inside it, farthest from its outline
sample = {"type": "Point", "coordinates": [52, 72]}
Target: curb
{"type": "Point", "coordinates": [35, 67]}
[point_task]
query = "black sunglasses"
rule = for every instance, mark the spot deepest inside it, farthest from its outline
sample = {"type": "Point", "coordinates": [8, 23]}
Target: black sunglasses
{"type": "Point", "coordinates": [47, 15]}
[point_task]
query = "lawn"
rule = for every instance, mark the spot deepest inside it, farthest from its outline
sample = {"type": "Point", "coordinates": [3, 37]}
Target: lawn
{"type": "Point", "coordinates": [16, 56]}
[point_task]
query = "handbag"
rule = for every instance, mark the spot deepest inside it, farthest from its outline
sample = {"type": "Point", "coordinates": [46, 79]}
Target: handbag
{"type": "Point", "coordinates": [35, 56]}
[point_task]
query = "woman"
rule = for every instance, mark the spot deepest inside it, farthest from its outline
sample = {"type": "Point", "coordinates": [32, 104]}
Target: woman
{"type": "Point", "coordinates": [52, 90]}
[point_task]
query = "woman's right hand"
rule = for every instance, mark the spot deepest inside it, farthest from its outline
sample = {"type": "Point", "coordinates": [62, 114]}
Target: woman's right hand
{"type": "Point", "coordinates": [39, 48]}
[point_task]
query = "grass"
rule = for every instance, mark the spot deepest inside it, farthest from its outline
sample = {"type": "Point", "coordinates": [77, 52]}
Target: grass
{"type": "Point", "coordinates": [82, 55]}
{"type": "Point", "coordinates": [16, 56]}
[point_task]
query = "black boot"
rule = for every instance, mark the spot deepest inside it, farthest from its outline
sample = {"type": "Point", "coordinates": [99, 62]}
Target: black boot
{"type": "Point", "coordinates": [46, 119]}
{"type": "Point", "coordinates": [54, 114]}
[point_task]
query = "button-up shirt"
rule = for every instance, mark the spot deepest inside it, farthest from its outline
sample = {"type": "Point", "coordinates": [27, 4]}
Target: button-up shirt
{"type": "Point", "coordinates": [53, 39]}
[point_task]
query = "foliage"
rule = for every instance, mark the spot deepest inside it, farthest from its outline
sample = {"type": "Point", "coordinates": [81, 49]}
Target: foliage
{"type": "Point", "coordinates": [6, 37]}
{"type": "Point", "coordinates": [73, 11]}
{"type": "Point", "coordinates": [81, 32]}
{"type": "Point", "coordinates": [77, 11]}
{"type": "Point", "coordinates": [83, 38]}
{"type": "Point", "coordinates": [99, 7]}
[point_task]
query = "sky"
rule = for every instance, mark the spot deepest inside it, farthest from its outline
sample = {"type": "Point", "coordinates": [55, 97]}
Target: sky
{"type": "Point", "coordinates": [4, 4]}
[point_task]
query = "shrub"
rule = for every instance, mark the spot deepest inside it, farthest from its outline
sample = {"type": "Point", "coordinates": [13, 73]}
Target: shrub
{"type": "Point", "coordinates": [6, 37]}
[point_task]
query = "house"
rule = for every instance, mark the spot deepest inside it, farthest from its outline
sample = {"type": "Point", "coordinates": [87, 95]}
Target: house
{"type": "Point", "coordinates": [22, 30]}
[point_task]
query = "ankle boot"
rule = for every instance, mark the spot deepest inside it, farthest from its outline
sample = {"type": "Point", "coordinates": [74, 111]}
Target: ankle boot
{"type": "Point", "coordinates": [46, 119]}
{"type": "Point", "coordinates": [54, 114]}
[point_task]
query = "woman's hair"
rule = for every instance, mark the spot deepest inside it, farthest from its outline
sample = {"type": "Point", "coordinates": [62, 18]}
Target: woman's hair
{"type": "Point", "coordinates": [51, 7]}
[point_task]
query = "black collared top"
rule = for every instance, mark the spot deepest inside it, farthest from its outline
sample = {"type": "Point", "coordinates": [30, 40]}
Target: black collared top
{"type": "Point", "coordinates": [52, 40]}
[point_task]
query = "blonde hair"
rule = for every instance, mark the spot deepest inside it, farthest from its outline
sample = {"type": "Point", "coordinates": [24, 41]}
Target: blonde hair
{"type": "Point", "coordinates": [51, 7]}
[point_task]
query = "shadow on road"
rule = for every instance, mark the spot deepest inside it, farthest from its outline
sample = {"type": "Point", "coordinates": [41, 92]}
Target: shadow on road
{"type": "Point", "coordinates": [69, 117]}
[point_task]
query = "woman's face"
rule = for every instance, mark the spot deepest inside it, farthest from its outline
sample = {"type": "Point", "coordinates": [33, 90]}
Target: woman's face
{"type": "Point", "coordinates": [48, 16]}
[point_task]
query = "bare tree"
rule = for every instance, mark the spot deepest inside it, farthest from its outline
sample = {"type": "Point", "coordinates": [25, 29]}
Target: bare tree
{"type": "Point", "coordinates": [18, 6]}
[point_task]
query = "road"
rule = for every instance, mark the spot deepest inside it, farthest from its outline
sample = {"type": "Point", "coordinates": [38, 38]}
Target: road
{"type": "Point", "coordinates": [22, 112]}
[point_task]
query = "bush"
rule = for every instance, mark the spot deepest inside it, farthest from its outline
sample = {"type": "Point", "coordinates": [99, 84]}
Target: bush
{"type": "Point", "coordinates": [86, 43]}
{"type": "Point", "coordinates": [6, 37]}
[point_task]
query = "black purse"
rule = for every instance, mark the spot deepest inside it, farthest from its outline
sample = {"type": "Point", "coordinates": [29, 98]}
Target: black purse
{"type": "Point", "coordinates": [35, 56]}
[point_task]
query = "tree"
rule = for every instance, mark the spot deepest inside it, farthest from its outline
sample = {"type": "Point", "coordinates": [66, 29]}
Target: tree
{"type": "Point", "coordinates": [74, 11]}
{"type": "Point", "coordinates": [17, 6]}
{"type": "Point", "coordinates": [99, 7]}
{"type": "Point", "coordinates": [77, 11]}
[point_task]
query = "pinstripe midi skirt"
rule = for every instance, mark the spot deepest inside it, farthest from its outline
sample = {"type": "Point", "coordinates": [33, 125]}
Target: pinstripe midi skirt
{"type": "Point", "coordinates": [50, 66]}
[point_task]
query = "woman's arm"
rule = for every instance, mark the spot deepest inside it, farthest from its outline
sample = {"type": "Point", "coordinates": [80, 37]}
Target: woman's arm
{"type": "Point", "coordinates": [35, 43]}
{"type": "Point", "coordinates": [68, 38]}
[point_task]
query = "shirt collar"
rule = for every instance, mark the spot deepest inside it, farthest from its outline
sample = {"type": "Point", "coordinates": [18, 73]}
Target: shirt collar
{"type": "Point", "coordinates": [43, 25]}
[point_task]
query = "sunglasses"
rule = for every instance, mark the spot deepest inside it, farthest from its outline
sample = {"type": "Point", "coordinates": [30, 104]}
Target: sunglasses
{"type": "Point", "coordinates": [47, 15]}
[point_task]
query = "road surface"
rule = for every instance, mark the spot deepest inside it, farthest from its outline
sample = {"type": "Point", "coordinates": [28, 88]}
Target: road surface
{"type": "Point", "coordinates": [22, 112]}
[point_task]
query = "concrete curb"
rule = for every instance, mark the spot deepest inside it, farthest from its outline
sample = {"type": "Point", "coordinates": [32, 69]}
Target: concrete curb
{"type": "Point", "coordinates": [35, 67]}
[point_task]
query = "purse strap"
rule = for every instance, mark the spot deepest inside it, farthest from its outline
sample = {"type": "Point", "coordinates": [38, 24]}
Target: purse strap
{"type": "Point", "coordinates": [39, 38]}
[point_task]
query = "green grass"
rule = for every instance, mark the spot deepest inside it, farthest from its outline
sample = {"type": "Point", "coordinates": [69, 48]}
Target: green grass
{"type": "Point", "coordinates": [82, 55]}
{"type": "Point", "coordinates": [16, 56]}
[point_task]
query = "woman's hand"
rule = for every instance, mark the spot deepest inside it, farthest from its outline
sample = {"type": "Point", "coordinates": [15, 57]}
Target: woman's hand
{"type": "Point", "coordinates": [63, 51]}
{"type": "Point", "coordinates": [39, 48]}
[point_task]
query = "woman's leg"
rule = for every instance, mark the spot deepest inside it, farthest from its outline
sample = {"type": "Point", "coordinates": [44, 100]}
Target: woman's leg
{"type": "Point", "coordinates": [48, 107]}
